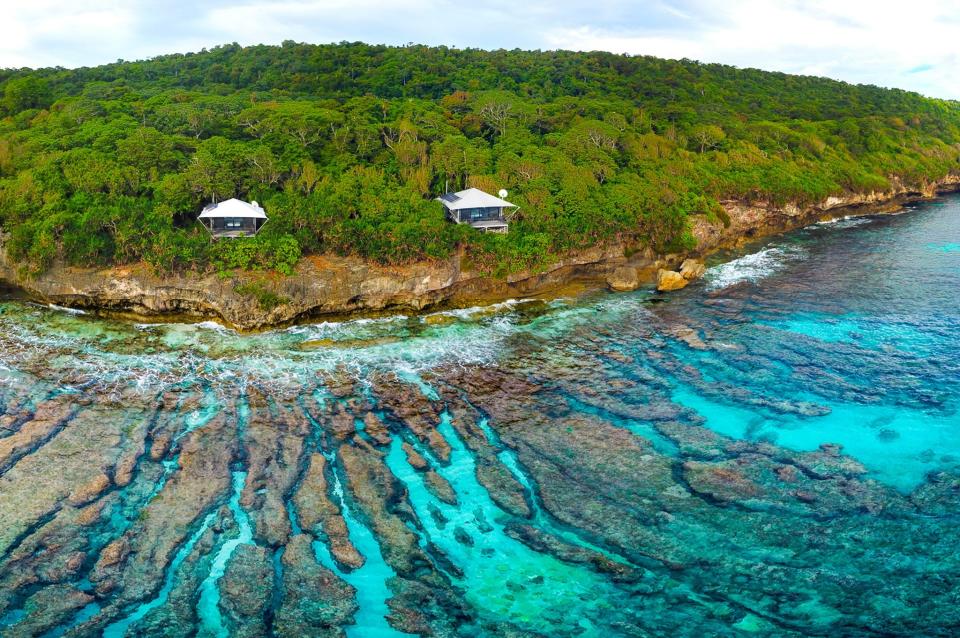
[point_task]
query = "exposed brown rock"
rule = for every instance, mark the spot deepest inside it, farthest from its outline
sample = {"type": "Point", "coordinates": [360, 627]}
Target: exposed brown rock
{"type": "Point", "coordinates": [692, 269]}
{"type": "Point", "coordinates": [724, 482]}
{"type": "Point", "coordinates": [46, 609]}
{"type": "Point", "coordinates": [374, 487]}
{"type": "Point", "coordinates": [503, 487]}
{"type": "Point", "coordinates": [40, 483]}
{"type": "Point", "coordinates": [177, 618]}
{"type": "Point", "coordinates": [342, 423]}
{"type": "Point", "coordinates": [321, 517]}
{"type": "Point", "coordinates": [787, 473]}
{"type": "Point", "coordinates": [440, 487]}
{"type": "Point", "coordinates": [91, 513]}
{"type": "Point", "coordinates": [491, 472]}
{"type": "Point", "coordinates": [417, 412]}
{"type": "Point", "coordinates": [624, 278]}
{"type": "Point", "coordinates": [690, 337]}
{"type": "Point", "coordinates": [376, 429]}
{"type": "Point", "coordinates": [201, 481]}
{"type": "Point", "coordinates": [668, 280]}
{"type": "Point", "coordinates": [340, 384]}
{"type": "Point", "coordinates": [274, 444]}
{"type": "Point", "coordinates": [89, 490]}
{"type": "Point", "coordinates": [543, 542]}
{"type": "Point", "coordinates": [315, 601]}
{"type": "Point", "coordinates": [161, 444]}
{"type": "Point", "coordinates": [422, 610]}
{"type": "Point", "coordinates": [114, 552]}
{"type": "Point", "coordinates": [414, 458]}
{"type": "Point", "coordinates": [49, 416]}
{"type": "Point", "coordinates": [245, 591]}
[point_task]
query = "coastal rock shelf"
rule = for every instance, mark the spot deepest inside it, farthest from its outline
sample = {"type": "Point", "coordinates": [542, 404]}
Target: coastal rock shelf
{"type": "Point", "coordinates": [323, 286]}
{"type": "Point", "coordinates": [771, 450]}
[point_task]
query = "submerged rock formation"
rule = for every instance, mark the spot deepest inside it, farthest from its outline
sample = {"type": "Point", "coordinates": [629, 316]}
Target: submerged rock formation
{"type": "Point", "coordinates": [183, 481]}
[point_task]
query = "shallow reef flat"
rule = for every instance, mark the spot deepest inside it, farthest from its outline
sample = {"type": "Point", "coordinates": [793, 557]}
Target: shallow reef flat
{"type": "Point", "coordinates": [772, 451]}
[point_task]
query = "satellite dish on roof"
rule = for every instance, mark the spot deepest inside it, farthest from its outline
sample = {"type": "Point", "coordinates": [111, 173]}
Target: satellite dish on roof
{"type": "Point", "coordinates": [503, 193]}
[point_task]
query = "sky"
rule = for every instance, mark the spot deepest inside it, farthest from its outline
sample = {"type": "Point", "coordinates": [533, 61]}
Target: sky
{"type": "Point", "coordinates": [911, 45]}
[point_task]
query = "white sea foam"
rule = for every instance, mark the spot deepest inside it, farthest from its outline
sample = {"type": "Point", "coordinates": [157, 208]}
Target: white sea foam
{"type": "Point", "coordinates": [847, 221]}
{"type": "Point", "coordinates": [72, 311]}
{"type": "Point", "coordinates": [347, 328]}
{"type": "Point", "coordinates": [474, 311]}
{"type": "Point", "coordinates": [854, 221]}
{"type": "Point", "coordinates": [213, 325]}
{"type": "Point", "coordinates": [753, 267]}
{"type": "Point", "coordinates": [145, 356]}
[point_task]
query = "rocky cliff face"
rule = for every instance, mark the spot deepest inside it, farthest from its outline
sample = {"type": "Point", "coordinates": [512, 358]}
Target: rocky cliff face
{"type": "Point", "coordinates": [750, 220]}
{"type": "Point", "coordinates": [333, 285]}
{"type": "Point", "coordinates": [320, 286]}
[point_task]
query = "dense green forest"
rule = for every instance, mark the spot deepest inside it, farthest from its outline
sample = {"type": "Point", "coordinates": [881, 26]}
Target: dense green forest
{"type": "Point", "coordinates": [346, 146]}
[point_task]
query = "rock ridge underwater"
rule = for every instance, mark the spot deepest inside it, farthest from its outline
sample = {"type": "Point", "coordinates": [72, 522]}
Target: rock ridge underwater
{"type": "Point", "coordinates": [770, 451]}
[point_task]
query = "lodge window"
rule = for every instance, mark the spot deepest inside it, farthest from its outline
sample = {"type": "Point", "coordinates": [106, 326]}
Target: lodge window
{"type": "Point", "coordinates": [479, 214]}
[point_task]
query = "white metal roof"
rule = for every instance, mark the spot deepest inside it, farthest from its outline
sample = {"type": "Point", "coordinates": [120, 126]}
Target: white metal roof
{"type": "Point", "coordinates": [233, 208]}
{"type": "Point", "coordinates": [473, 198]}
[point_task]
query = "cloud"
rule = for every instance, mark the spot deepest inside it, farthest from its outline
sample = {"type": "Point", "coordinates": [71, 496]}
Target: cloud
{"type": "Point", "coordinates": [43, 32]}
{"type": "Point", "coordinates": [857, 41]}
{"type": "Point", "coordinates": [876, 41]}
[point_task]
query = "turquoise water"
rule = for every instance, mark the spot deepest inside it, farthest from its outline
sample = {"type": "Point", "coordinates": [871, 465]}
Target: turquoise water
{"type": "Point", "coordinates": [370, 580]}
{"type": "Point", "coordinates": [773, 450]}
{"type": "Point", "coordinates": [121, 627]}
{"type": "Point", "coordinates": [208, 609]}
{"type": "Point", "coordinates": [540, 587]}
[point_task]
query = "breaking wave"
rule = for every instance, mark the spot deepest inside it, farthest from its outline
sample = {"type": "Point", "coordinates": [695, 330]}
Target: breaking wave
{"type": "Point", "coordinates": [753, 267]}
{"type": "Point", "coordinates": [85, 350]}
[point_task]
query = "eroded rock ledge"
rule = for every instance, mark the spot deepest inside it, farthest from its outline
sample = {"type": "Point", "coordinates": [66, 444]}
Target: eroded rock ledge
{"type": "Point", "coordinates": [334, 285]}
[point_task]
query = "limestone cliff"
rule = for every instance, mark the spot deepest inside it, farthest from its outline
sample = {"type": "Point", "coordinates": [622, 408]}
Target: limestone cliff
{"type": "Point", "coordinates": [336, 285]}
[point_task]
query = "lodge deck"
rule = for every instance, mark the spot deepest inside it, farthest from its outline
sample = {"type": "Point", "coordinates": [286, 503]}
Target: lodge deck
{"type": "Point", "coordinates": [218, 234]}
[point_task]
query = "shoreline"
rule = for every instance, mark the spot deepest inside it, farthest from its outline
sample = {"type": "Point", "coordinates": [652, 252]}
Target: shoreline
{"type": "Point", "coordinates": [326, 288]}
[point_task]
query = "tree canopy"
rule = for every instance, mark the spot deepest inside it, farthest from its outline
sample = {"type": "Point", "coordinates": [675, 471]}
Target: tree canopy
{"type": "Point", "coordinates": [346, 145]}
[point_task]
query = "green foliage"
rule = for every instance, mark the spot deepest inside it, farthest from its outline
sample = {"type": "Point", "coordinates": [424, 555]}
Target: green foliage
{"type": "Point", "coordinates": [264, 252]}
{"type": "Point", "coordinates": [23, 93]}
{"type": "Point", "coordinates": [266, 298]}
{"type": "Point", "coordinates": [347, 145]}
